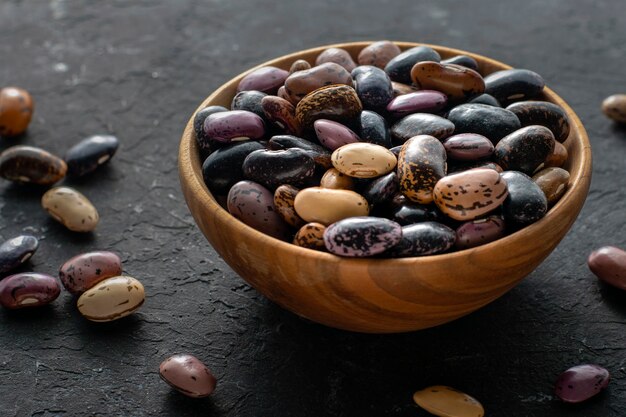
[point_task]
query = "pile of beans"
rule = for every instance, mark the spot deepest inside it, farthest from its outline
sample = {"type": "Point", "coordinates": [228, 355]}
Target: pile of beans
{"type": "Point", "coordinates": [401, 154]}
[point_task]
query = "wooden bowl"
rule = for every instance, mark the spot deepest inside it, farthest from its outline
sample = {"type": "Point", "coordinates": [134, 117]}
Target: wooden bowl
{"type": "Point", "coordinates": [381, 295]}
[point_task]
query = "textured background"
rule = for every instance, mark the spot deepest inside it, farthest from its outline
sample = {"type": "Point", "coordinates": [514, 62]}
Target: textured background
{"type": "Point", "coordinates": [138, 70]}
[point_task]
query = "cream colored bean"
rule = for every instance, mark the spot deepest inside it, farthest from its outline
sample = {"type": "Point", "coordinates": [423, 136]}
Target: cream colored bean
{"type": "Point", "coordinates": [326, 206]}
{"type": "Point", "coordinates": [448, 402]}
{"type": "Point", "coordinates": [70, 208]}
{"type": "Point", "coordinates": [111, 299]}
{"type": "Point", "coordinates": [363, 160]}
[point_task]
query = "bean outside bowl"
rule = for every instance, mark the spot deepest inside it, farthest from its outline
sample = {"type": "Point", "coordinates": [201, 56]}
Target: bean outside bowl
{"type": "Point", "coordinates": [381, 295]}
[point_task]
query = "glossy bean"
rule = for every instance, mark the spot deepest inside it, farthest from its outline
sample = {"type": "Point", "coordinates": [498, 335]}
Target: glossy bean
{"type": "Point", "coordinates": [334, 135]}
{"type": "Point", "coordinates": [514, 85]}
{"type": "Point", "coordinates": [83, 271]}
{"type": "Point", "coordinates": [378, 54]}
{"type": "Point", "coordinates": [363, 160]}
{"type": "Point", "coordinates": [421, 124]}
{"type": "Point", "coordinates": [311, 236]}
{"type": "Point", "coordinates": [421, 163]}
{"type": "Point", "coordinates": [188, 375]}
{"type": "Point", "coordinates": [27, 164]}
{"type": "Point", "coordinates": [253, 204]}
{"type": "Point", "coordinates": [233, 126]}
{"type": "Point", "coordinates": [15, 251]}
{"type": "Point", "coordinates": [265, 79]}
{"type": "Point", "coordinates": [362, 236]}
{"type": "Point", "coordinates": [90, 153]}
{"type": "Point", "coordinates": [399, 67]}
{"type": "Point", "coordinates": [470, 194]}
{"type": "Point", "coordinates": [327, 206]}
{"type": "Point", "coordinates": [545, 114]}
{"type": "Point", "coordinates": [526, 203]}
{"type": "Point", "coordinates": [111, 299]}
{"type": "Point", "coordinates": [338, 103]}
{"type": "Point", "coordinates": [284, 197]}
{"type": "Point", "coordinates": [301, 83]}
{"type": "Point", "coordinates": [16, 111]}
{"type": "Point", "coordinates": [525, 149]}
{"type": "Point", "coordinates": [223, 168]}
{"type": "Point", "coordinates": [425, 238]}
{"type": "Point", "coordinates": [28, 289]}
{"type": "Point", "coordinates": [338, 56]}
{"type": "Point", "coordinates": [489, 121]}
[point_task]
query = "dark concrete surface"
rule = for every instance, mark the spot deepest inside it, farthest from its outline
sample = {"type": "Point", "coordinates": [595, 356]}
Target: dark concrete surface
{"type": "Point", "coordinates": [138, 70]}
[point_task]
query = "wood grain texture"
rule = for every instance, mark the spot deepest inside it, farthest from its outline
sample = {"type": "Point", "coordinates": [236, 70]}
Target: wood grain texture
{"type": "Point", "coordinates": [381, 295]}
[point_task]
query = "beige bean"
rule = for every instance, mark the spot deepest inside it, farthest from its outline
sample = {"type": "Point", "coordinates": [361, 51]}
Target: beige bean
{"type": "Point", "coordinates": [70, 208]}
{"type": "Point", "coordinates": [326, 206]}
{"type": "Point", "coordinates": [614, 107]}
{"type": "Point", "coordinates": [446, 401]}
{"type": "Point", "coordinates": [363, 160]}
{"type": "Point", "coordinates": [111, 299]}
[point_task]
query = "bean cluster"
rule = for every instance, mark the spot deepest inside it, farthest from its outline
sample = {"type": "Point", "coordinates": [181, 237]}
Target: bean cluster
{"type": "Point", "coordinates": [399, 154]}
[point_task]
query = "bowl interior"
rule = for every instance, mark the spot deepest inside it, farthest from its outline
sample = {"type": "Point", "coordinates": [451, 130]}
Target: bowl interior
{"type": "Point", "coordinates": [381, 295]}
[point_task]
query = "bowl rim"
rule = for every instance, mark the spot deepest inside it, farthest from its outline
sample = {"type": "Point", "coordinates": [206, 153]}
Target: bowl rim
{"type": "Point", "coordinates": [190, 171]}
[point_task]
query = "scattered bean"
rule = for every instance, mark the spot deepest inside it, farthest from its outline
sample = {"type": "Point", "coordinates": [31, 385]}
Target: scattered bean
{"type": "Point", "coordinates": [90, 153]}
{"type": "Point", "coordinates": [28, 289]}
{"type": "Point", "coordinates": [80, 273]}
{"type": "Point", "coordinates": [27, 164]}
{"type": "Point", "coordinates": [448, 402]}
{"type": "Point", "coordinates": [16, 111]}
{"type": "Point", "coordinates": [609, 265]}
{"type": "Point", "coordinates": [70, 208]}
{"type": "Point", "coordinates": [14, 252]}
{"type": "Point", "coordinates": [188, 375]}
{"type": "Point", "coordinates": [111, 299]}
{"type": "Point", "coordinates": [579, 383]}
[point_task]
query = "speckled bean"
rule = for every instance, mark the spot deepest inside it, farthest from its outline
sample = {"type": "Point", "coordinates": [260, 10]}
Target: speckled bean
{"type": "Point", "coordinates": [188, 375]}
{"type": "Point", "coordinates": [362, 236]}
{"type": "Point", "coordinates": [111, 299]}
{"type": "Point", "coordinates": [311, 236]}
{"type": "Point", "coordinates": [363, 160]}
{"type": "Point", "coordinates": [83, 271]}
{"type": "Point", "coordinates": [70, 208]}
{"type": "Point", "coordinates": [425, 238]}
{"type": "Point", "coordinates": [579, 383]}
{"type": "Point", "coordinates": [253, 204]}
